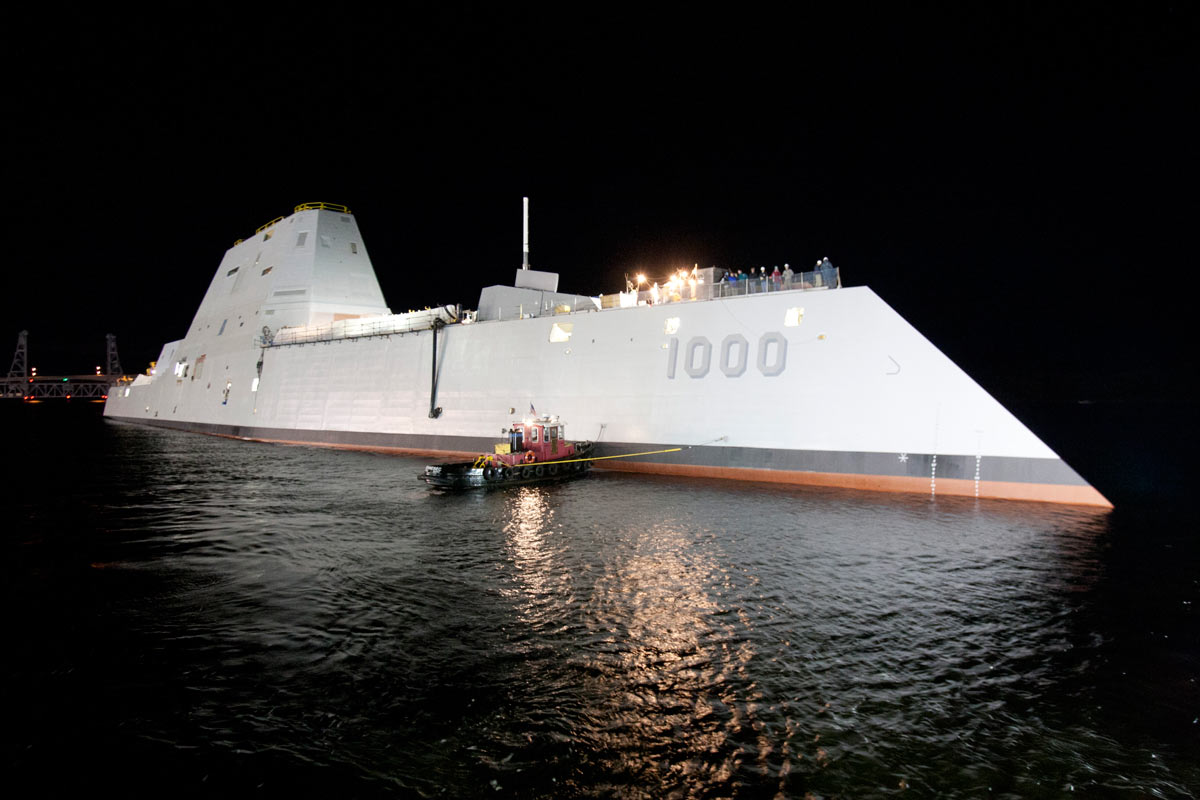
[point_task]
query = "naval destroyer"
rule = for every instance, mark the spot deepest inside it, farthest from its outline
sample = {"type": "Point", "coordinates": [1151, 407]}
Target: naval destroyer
{"type": "Point", "coordinates": [790, 379]}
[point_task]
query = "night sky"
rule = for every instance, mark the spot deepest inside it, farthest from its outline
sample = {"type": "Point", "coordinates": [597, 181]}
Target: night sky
{"type": "Point", "coordinates": [1020, 182]}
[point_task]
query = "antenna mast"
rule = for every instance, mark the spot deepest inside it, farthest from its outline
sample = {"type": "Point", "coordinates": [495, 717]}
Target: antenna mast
{"type": "Point", "coordinates": [525, 261]}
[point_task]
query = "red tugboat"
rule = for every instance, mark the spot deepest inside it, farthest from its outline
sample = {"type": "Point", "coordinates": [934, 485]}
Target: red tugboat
{"type": "Point", "coordinates": [532, 451]}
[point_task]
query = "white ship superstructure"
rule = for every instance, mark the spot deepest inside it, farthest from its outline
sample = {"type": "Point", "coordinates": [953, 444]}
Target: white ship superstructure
{"type": "Point", "coordinates": [798, 382]}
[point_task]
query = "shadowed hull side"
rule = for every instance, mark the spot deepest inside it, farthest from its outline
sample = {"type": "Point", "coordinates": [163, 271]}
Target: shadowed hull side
{"type": "Point", "coordinates": [721, 463]}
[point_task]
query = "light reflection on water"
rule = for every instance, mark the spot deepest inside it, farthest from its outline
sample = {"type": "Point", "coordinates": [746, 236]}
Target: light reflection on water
{"type": "Point", "coordinates": [318, 620]}
{"type": "Point", "coordinates": [660, 693]}
{"type": "Point", "coordinates": [532, 521]}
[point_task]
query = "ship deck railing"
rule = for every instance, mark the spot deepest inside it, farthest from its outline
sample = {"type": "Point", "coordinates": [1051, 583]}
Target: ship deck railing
{"type": "Point", "coordinates": [364, 327]}
{"type": "Point", "coordinates": [759, 283]}
{"type": "Point", "coordinates": [683, 293]}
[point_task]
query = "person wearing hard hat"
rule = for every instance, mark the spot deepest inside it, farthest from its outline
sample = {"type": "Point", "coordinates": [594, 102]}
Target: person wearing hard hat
{"type": "Point", "coordinates": [827, 273]}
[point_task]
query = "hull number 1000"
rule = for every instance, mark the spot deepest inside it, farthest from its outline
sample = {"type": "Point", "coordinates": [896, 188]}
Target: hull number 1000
{"type": "Point", "coordinates": [733, 356]}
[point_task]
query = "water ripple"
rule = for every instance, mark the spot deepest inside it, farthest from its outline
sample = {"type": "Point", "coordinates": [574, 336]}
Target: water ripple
{"type": "Point", "coordinates": [251, 616]}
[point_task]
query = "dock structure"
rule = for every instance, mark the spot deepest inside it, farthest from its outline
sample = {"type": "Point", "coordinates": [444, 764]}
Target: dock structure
{"type": "Point", "coordinates": [65, 387]}
{"type": "Point", "coordinates": [23, 382]}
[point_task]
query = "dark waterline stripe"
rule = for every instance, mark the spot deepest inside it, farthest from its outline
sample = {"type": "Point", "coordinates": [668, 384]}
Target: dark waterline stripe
{"type": "Point", "coordinates": [1003, 477]}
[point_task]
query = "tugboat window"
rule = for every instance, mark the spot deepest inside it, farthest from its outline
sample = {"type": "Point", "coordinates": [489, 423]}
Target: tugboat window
{"type": "Point", "coordinates": [533, 435]}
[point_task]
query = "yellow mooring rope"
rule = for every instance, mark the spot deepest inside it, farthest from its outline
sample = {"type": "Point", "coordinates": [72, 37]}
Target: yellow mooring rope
{"type": "Point", "coordinates": [479, 462]}
{"type": "Point", "coordinates": [623, 455]}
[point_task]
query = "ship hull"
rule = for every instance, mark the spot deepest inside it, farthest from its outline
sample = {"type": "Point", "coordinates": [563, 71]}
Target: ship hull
{"type": "Point", "coordinates": [1036, 480]}
{"type": "Point", "coordinates": [829, 388]}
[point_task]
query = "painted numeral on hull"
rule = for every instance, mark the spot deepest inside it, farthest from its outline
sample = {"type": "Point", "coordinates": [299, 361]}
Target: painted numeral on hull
{"type": "Point", "coordinates": [771, 356]}
{"type": "Point", "coordinates": [701, 344]}
{"type": "Point", "coordinates": [764, 346]}
{"type": "Point", "coordinates": [734, 344]}
{"type": "Point", "coordinates": [672, 357]}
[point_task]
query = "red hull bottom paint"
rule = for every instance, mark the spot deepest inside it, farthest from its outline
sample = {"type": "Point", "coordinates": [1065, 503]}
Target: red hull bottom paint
{"type": "Point", "coordinates": [957, 487]}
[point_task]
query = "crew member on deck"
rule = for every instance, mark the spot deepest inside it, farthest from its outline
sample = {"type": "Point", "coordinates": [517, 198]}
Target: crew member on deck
{"type": "Point", "coordinates": [827, 273]}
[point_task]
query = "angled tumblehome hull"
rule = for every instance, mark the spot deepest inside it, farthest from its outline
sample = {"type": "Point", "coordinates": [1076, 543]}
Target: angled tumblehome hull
{"type": "Point", "coordinates": [827, 387]}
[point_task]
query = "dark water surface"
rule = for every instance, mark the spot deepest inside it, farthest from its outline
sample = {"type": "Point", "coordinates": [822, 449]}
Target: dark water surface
{"type": "Point", "coordinates": [195, 616]}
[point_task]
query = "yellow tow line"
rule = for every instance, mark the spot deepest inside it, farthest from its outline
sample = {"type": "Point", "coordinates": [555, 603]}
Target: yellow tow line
{"type": "Point", "coordinates": [623, 455]}
{"type": "Point", "coordinates": [483, 460]}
